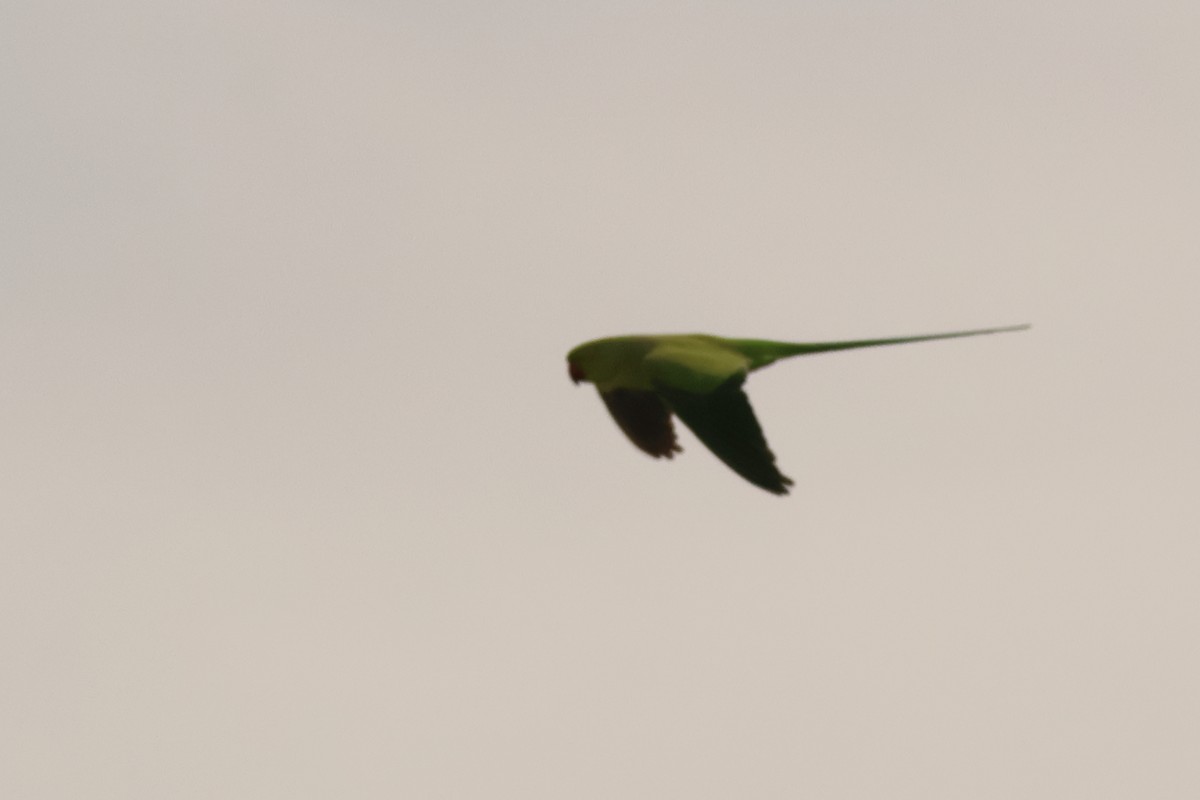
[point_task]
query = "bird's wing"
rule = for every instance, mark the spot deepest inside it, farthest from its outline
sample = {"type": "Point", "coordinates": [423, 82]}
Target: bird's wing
{"type": "Point", "coordinates": [644, 419]}
{"type": "Point", "coordinates": [725, 422]}
{"type": "Point", "coordinates": [694, 364]}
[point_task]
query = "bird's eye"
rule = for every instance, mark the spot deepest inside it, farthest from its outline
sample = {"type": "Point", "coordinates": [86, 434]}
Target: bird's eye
{"type": "Point", "coordinates": [575, 372]}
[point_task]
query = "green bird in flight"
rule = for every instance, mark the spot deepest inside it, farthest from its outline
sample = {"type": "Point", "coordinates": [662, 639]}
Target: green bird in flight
{"type": "Point", "coordinates": [643, 380]}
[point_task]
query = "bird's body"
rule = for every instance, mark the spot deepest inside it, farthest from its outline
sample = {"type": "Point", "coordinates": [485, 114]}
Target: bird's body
{"type": "Point", "coordinates": [643, 380]}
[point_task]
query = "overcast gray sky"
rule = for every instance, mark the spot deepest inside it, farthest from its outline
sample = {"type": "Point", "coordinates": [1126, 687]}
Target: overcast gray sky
{"type": "Point", "coordinates": [298, 501]}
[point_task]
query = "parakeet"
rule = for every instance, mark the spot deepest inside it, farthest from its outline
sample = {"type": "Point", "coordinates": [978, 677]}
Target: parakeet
{"type": "Point", "coordinates": [643, 380]}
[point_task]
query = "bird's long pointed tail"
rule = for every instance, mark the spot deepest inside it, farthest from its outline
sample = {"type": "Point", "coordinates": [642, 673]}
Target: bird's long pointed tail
{"type": "Point", "coordinates": [763, 352]}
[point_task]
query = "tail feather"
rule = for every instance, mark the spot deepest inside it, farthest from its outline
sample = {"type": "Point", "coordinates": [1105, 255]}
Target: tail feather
{"type": "Point", "coordinates": [762, 352]}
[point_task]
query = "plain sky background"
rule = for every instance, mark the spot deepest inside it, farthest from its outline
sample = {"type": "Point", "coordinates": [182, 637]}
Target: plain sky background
{"type": "Point", "coordinates": [297, 500]}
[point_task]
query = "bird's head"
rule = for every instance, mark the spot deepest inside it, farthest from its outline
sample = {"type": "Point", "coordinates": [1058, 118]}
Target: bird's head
{"type": "Point", "coordinates": [605, 363]}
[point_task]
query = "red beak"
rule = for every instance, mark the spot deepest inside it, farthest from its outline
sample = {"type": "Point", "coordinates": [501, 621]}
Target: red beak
{"type": "Point", "coordinates": [575, 372]}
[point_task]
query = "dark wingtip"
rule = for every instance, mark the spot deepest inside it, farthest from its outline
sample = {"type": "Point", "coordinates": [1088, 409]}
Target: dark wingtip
{"type": "Point", "coordinates": [668, 452]}
{"type": "Point", "coordinates": [781, 488]}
